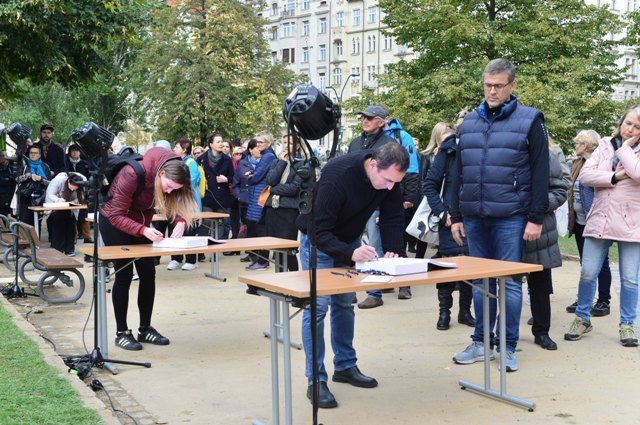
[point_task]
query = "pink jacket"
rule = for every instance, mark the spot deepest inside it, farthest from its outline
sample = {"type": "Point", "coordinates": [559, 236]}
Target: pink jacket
{"type": "Point", "coordinates": [615, 213]}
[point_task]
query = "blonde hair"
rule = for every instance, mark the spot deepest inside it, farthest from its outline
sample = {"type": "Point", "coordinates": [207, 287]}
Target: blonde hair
{"type": "Point", "coordinates": [440, 132]}
{"type": "Point", "coordinates": [590, 138]}
{"type": "Point", "coordinates": [180, 202]}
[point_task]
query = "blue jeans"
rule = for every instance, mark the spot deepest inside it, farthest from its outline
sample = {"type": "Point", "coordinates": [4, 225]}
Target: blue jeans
{"type": "Point", "coordinates": [342, 320]}
{"type": "Point", "coordinates": [498, 239]}
{"type": "Point", "coordinates": [594, 253]}
{"type": "Point", "coordinates": [373, 237]}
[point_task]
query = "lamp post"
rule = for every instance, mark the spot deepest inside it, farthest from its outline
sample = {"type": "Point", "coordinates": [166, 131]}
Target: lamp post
{"type": "Point", "coordinates": [339, 96]}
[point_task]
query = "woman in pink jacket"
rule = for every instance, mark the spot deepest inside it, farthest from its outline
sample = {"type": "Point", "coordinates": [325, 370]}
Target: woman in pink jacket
{"type": "Point", "coordinates": [614, 171]}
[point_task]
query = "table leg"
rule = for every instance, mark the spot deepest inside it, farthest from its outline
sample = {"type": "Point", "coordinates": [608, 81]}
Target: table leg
{"type": "Point", "coordinates": [286, 350]}
{"type": "Point", "coordinates": [215, 264]}
{"type": "Point", "coordinates": [275, 375]}
{"type": "Point", "coordinates": [486, 389]}
{"type": "Point", "coordinates": [36, 223]}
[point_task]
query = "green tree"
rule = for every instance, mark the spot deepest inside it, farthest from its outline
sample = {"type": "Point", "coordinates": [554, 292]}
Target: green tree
{"type": "Point", "coordinates": [205, 68]}
{"type": "Point", "coordinates": [564, 58]}
{"type": "Point", "coordinates": [44, 41]}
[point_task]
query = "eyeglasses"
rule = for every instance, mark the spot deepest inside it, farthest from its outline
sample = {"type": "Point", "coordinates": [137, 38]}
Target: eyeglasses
{"type": "Point", "coordinates": [498, 87]}
{"type": "Point", "coordinates": [367, 118]}
{"type": "Point", "coordinates": [237, 153]}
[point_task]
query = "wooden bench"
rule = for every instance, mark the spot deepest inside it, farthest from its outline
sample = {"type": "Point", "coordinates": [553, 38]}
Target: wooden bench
{"type": "Point", "coordinates": [54, 264]}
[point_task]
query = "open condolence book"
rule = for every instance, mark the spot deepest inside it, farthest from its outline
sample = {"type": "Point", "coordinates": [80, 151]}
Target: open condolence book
{"type": "Point", "coordinates": [187, 242]}
{"type": "Point", "coordinates": [400, 266]}
{"type": "Point", "coordinates": [60, 204]}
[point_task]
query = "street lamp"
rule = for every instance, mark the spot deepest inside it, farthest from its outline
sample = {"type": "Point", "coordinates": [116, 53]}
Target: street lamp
{"type": "Point", "coordinates": [339, 96]}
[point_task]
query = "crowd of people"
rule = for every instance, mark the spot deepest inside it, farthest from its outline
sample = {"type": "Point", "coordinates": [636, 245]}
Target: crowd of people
{"type": "Point", "coordinates": [493, 180]}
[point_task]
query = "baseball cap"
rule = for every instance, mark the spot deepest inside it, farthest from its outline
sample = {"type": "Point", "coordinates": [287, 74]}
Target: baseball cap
{"type": "Point", "coordinates": [46, 127]}
{"type": "Point", "coordinates": [375, 111]}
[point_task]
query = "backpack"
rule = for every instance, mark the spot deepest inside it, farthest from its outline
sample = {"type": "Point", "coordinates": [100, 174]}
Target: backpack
{"type": "Point", "coordinates": [202, 187]}
{"type": "Point", "coordinates": [115, 162]}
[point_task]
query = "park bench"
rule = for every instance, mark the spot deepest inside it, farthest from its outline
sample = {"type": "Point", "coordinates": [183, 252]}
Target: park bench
{"type": "Point", "coordinates": [54, 264]}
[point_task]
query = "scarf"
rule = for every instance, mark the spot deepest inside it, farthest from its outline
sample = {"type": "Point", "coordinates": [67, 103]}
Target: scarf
{"type": "Point", "coordinates": [35, 167]}
{"type": "Point", "coordinates": [213, 158]}
{"type": "Point", "coordinates": [252, 161]}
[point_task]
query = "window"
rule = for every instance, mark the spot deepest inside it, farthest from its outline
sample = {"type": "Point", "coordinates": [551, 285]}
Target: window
{"type": "Point", "coordinates": [355, 70]}
{"type": "Point", "coordinates": [614, 5]}
{"type": "Point", "coordinates": [305, 54]}
{"type": "Point", "coordinates": [338, 48]}
{"type": "Point", "coordinates": [372, 14]}
{"type": "Point", "coordinates": [305, 4]}
{"type": "Point", "coordinates": [371, 43]}
{"type": "Point", "coordinates": [356, 17]}
{"type": "Point", "coordinates": [274, 33]}
{"type": "Point", "coordinates": [289, 6]}
{"type": "Point", "coordinates": [388, 42]}
{"type": "Point", "coordinates": [322, 52]}
{"type": "Point", "coordinates": [340, 19]}
{"type": "Point", "coordinates": [305, 28]}
{"type": "Point", "coordinates": [322, 82]}
{"type": "Point", "coordinates": [371, 72]}
{"type": "Point", "coordinates": [322, 26]}
{"type": "Point", "coordinates": [355, 45]}
{"type": "Point", "coordinates": [288, 29]}
{"type": "Point", "coordinates": [631, 5]}
{"type": "Point", "coordinates": [274, 9]}
{"type": "Point", "coordinates": [289, 55]}
{"type": "Point", "coordinates": [337, 77]}
{"type": "Point", "coordinates": [274, 58]}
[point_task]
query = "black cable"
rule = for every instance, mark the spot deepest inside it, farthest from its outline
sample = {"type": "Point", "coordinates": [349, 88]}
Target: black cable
{"type": "Point", "coordinates": [97, 385]}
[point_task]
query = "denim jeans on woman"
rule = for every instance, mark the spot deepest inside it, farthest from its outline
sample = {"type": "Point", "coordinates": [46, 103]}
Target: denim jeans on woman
{"type": "Point", "coordinates": [342, 319]}
{"type": "Point", "coordinates": [498, 239]}
{"type": "Point", "coordinates": [593, 255]}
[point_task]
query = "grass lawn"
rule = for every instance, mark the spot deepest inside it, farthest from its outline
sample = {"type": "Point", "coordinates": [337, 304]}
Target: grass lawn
{"type": "Point", "coordinates": [568, 246]}
{"type": "Point", "coordinates": [31, 391]}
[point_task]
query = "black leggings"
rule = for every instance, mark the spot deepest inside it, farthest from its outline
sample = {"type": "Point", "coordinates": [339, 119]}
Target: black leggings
{"type": "Point", "coordinates": [146, 271]}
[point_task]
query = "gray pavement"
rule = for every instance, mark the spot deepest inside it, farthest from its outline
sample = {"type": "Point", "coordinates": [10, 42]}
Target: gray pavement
{"type": "Point", "coordinates": [217, 368]}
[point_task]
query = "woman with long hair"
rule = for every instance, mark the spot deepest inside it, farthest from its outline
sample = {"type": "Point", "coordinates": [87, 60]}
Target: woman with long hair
{"type": "Point", "coordinates": [443, 148]}
{"type": "Point", "coordinates": [244, 172]}
{"type": "Point", "coordinates": [65, 187]}
{"type": "Point", "coordinates": [182, 148]}
{"type": "Point", "coordinates": [580, 201]}
{"type": "Point", "coordinates": [614, 170]}
{"type": "Point", "coordinates": [125, 219]}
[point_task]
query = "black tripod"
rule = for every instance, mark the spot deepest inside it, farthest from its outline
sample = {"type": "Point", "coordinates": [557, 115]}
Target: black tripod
{"type": "Point", "coordinates": [94, 185]}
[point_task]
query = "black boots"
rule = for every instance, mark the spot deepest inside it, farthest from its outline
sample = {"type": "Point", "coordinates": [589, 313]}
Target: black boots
{"type": "Point", "coordinates": [443, 320]}
{"type": "Point", "coordinates": [465, 318]}
{"type": "Point", "coordinates": [445, 301]}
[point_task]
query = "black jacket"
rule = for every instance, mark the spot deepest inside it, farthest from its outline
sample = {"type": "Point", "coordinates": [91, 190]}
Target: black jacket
{"type": "Point", "coordinates": [218, 196]}
{"type": "Point", "coordinates": [288, 191]}
{"type": "Point", "coordinates": [439, 174]}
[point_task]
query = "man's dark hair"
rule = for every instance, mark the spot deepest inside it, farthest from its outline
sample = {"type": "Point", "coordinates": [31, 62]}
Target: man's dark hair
{"type": "Point", "coordinates": [498, 66]}
{"type": "Point", "coordinates": [391, 154]}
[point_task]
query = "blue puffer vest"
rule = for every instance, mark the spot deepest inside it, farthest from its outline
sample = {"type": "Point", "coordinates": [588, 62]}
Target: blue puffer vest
{"type": "Point", "coordinates": [496, 177]}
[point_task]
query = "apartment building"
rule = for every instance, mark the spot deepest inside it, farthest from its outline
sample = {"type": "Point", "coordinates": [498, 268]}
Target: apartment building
{"type": "Point", "coordinates": [339, 45]}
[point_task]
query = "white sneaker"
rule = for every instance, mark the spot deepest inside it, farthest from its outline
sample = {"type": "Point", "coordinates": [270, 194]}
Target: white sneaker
{"type": "Point", "coordinates": [173, 265]}
{"type": "Point", "coordinates": [189, 266]}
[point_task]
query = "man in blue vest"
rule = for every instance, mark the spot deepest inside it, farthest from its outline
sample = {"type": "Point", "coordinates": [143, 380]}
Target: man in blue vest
{"type": "Point", "coordinates": [502, 183]}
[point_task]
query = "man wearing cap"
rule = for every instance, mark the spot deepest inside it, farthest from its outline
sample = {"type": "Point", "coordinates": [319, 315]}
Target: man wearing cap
{"type": "Point", "coordinates": [374, 119]}
{"type": "Point", "coordinates": [52, 153]}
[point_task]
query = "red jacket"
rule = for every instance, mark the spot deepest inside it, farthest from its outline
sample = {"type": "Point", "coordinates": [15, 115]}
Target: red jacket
{"type": "Point", "coordinates": [123, 211]}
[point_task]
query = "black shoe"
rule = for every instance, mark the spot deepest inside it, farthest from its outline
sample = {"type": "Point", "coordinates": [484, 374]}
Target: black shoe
{"type": "Point", "coordinates": [443, 320]}
{"type": "Point", "coordinates": [127, 341]}
{"type": "Point", "coordinates": [88, 258]}
{"type": "Point", "coordinates": [412, 249]}
{"type": "Point", "coordinates": [229, 253]}
{"type": "Point", "coordinates": [202, 258]}
{"type": "Point", "coordinates": [252, 290]}
{"type": "Point", "coordinates": [466, 318]}
{"type": "Point", "coordinates": [152, 336]}
{"type": "Point", "coordinates": [246, 259]}
{"type": "Point", "coordinates": [545, 342]}
{"type": "Point", "coordinates": [404, 293]}
{"type": "Point", "coordinates": [600, 309]}
{"type": "Point", "coordinates": [354, 377]}
{"type": "Point", "coordinates": [88, 240]}
{"type": "Point", "coordinates": [572, 308]}
{"type": "Point", "coordinates": [530, 322]}
{"type": "Point", "coordinates": [326, 400]}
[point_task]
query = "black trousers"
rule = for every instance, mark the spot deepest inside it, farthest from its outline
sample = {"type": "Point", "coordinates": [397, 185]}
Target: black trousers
{"type": "Point", "coordinates": [540, 287]}
{"type": "Point", "coordinates": [254, 230]}
{"type": "Point", "coordinates": [62, 231]}
{"type": "Point", "coordinates": [281, 223]}
{"type": "Point", "coordinates": [146, 271]}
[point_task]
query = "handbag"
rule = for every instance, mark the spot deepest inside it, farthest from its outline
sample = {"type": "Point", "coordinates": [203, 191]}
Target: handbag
{"type": "Point", "coordinates": [424, 225]}
{"type": "Point", "coordinates": [264, 196]}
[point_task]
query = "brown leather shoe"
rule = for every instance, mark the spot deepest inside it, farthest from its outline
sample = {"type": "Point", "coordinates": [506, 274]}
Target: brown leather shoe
{"type": "Point", "coordinates": [370, 302]}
